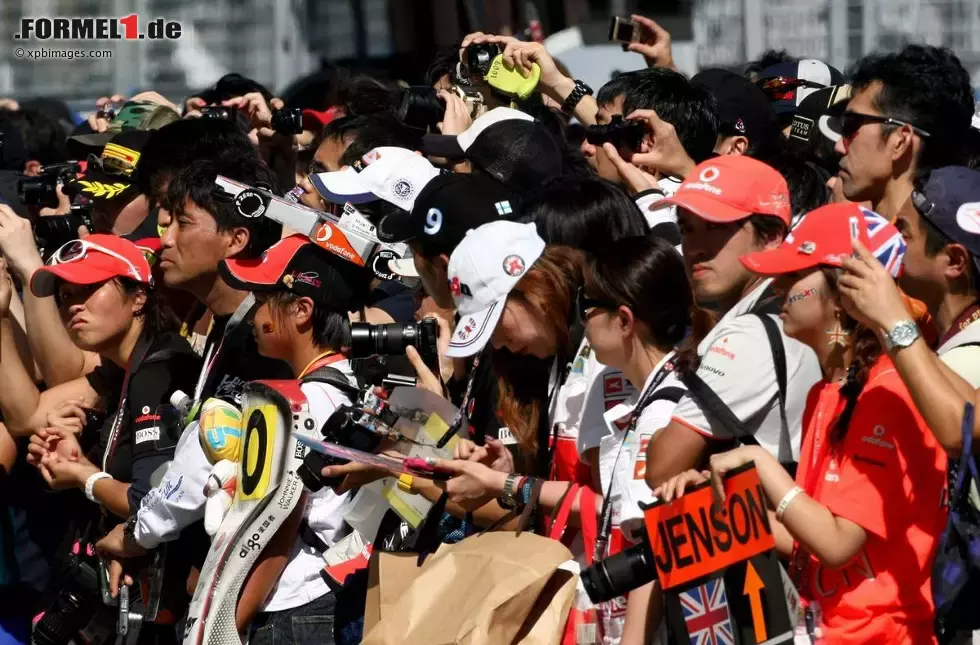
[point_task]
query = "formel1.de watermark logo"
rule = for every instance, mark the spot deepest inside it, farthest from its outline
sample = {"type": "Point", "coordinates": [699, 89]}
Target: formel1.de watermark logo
{"type": "Point", "coordinates": [126, 28]}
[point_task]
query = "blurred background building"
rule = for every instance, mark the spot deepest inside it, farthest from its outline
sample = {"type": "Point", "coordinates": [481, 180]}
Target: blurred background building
{"type": "Point", "coordinates": [279, 41]}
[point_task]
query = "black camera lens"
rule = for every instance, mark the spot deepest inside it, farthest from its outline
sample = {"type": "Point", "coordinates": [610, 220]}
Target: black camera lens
{"type": "Point", "coordinates": [381, 340]}
{"type": "Point", "coordinates": [480, 57]}
{"type": "Point", "coordinates": [218, 112]}
{"type": "Point", "coordinates": [37, 191]}
{"type": "Point", "coordinates": [619, 574]}
{"type": "Point", "coordinates": [624, 135]}
{"type": "Point", "coordinates": [55, 230]}
{"type": "Point", "coordinates": [78, 601]}
{"type": "Point", "coordinates": [288, 121]}
{"type": "Point", "coordinates": [420, 107]}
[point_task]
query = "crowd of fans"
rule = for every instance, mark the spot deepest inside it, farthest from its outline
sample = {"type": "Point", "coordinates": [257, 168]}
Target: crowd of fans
{"type": "Point", "coordinates": [638, 288]}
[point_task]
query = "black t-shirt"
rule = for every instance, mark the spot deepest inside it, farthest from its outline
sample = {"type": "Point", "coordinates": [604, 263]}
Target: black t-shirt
{"type": "Point", "coordinates": [238, 361]}
{"type": "Point", "coordinates": [143, 444]}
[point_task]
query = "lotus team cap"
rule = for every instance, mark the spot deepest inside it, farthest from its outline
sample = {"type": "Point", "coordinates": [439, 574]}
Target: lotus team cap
{"type": "Point", "coordinates": [483, 270]}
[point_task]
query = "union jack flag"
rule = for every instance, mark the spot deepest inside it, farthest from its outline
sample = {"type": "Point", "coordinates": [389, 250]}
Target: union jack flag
{"type": "Point", "coordinates": [706, 614]}
{"type": "Point", "coordinates": [887, 244]}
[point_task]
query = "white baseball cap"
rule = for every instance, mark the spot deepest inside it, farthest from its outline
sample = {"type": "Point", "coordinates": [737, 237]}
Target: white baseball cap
{"type": "Point", "coordinates": [483, 270]}
{"type": "Point", "coordinates": [395, 175]}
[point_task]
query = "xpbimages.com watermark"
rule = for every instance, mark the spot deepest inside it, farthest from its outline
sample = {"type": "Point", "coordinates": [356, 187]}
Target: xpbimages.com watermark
{"type": "Point", "coordinates": [49, 53]}
{"type": "Point", "coordinates": [125, 28]}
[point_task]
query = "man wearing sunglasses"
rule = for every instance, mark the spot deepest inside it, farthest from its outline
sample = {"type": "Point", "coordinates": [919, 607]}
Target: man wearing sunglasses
{"type": "Point", "coordinates": [909, 112]}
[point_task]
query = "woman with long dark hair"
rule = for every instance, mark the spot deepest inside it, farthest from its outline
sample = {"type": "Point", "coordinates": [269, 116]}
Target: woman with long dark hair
{"type": "Point", "coordinates": [863, 518]}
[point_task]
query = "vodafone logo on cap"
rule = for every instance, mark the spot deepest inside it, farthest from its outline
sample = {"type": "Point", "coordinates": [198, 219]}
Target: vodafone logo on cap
{"type": "Point", "coordinates": [968, 217]}
{"type": "Point", "coordinates": [709, 174]}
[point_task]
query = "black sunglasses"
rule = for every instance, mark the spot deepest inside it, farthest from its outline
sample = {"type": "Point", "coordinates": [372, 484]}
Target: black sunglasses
{"type": "Point", "coordinates": [851, 122]}
{"type": "Point", "coordinates": [583, 304]}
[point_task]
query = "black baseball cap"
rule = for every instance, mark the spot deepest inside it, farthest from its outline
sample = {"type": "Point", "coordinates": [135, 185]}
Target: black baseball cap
{"type": "Point", "coordinates": [788, 84]}
{"type": "Point", "coordinates": [113, 175]}
{"type": "Point", "coordinates": [950, 201]}
{"type": "Point", "coordinates": [448, 207]}
{"type": "Point", "coordinates": [507, 144]}
{"type": "Point", "coordinates": [814, 124]}
{"type": "Point", "coordinates": [296, 265]}
{"type": "Point", "coordinates": [743, 108]}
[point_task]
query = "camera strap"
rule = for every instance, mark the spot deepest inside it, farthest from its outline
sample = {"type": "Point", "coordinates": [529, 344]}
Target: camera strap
{"type": "Point", "coordinates": [462, 416]}
{"type": "Point", "coordinates": [648, 396]}
{"type": "Point", "coordinates": [135, 361]}
{"type": "Point", "coordinates": [213, 352]}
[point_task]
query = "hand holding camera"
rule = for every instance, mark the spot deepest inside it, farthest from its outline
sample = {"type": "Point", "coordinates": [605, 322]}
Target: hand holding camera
{"type": "Point", "coordinates": [17, 244]}
{"type": "Point", "coordinates": [457, 117]}
{"type": "Point", "coordinates": [661, 149]}
{"type": "Point", "coordinates": [643, 36]}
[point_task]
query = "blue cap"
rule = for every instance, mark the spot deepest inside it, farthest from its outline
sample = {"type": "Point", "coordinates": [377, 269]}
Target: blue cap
{"type": "Point", "coordinates": [950, 201]}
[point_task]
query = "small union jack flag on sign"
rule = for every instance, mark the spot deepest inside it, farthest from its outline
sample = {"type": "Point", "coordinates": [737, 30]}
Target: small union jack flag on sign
{"type": "Point", "coordinates": [886, 243]}
{"type": "Point", "coordinates": [706, 614]}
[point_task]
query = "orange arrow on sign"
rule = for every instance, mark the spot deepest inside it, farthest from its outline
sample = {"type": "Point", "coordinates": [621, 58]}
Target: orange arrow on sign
{"type": "Point", "coordinates": [753, 589]}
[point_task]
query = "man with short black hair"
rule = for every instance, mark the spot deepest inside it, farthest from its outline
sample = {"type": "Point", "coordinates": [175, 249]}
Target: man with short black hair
{"type": "Point", "coordinates": [201, 227]}
{"type": "Point", "coordinates": [689, 109]}
{"type": "Point", "coordinates": [909, 112]}
{"type": "Point", "coordinates": [941, 225]}
{"type": "Point", "coordinates": [727, 207]}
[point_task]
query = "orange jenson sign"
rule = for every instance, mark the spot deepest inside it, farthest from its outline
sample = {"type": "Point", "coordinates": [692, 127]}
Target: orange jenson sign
{"type": "Point", "coordinates": [691, 537]}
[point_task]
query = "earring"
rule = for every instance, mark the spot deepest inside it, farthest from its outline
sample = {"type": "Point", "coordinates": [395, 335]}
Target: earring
{"type": "Point", "coordinates": [836, 335]}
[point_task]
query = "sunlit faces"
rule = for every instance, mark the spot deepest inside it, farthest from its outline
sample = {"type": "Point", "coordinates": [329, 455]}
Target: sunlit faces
{"type": "Point", "coordinates": [98, 316]}
{"type": "Point", "coordinates": [271, 333]}
{"type": "Point", "coordinates": [192, 245]}
{"type": "Point", "coordinates": [611, 334]}
{"type": "Point", "coordinates": [711, 256]}
{"type": "Point", "coordinates": [923, 277]}
{"type": "Point", "coordinates": [519, 331]}
{"type": "Point", "coordinates": [808, 308]}
{"type": "Point", "coordinates": [866, 165]}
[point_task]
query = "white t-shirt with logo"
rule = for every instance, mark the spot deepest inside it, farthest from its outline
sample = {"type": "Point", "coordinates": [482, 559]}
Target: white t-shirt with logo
{"type": "Point", "coordinates": [624, 463]}
{"type": "Point", "coordinates": [737, 363]}
{"type": "Point", "coordinates": [301, 582]}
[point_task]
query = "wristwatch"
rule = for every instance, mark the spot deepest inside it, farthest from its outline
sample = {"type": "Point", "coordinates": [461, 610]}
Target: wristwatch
{"type": "Point", "coordinates": [902, 335]}
{"type": "Point", "coordinates": [580, 91]}
{"type": "Point", "coordinates": [508, 499]}
{"type": "Point", "coordinates": [129, 529]}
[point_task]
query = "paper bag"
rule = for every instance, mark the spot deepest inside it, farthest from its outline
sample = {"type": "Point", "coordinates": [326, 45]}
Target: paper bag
{"type": "Point", "coordinates": [494, 588]}
{"type": "Point", "coordinates": [389, 574]}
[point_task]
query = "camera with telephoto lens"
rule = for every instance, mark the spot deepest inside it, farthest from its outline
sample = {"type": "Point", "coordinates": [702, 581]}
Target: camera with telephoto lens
{"type": "Point", "coordinates": [623, 134]}
{"type": "Point", "coordinates": [479, 58]}
{"type": "Point", "coordinates": [42, 191]}
{"type": "Point", "coordinates": [288, 121]}
{"type": "Point", "coordinates": [52, 231]}
{"type": "Point", "coordinates": [421, 106]}
{"type": "Point", "coordinates": [392, 339]}
{"type": "Point", "coordinates": [219, 112]}
{"type": "Point", "coordinates": [361, 426]}
{"type": "Point", "coordinates": [619, 574]}
{"type": "Point", "coordinates": [79, 608]}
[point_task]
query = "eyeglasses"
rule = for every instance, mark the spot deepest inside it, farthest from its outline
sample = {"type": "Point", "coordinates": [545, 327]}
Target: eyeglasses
{"type": "Point", "coordinates": [583, 304]}
{"type": "Point", "coordinates": [76, 250]}
{"type": "Point", "coordinates": [782, 88]}
{"type": "Point", "coordinates": [851, 122]}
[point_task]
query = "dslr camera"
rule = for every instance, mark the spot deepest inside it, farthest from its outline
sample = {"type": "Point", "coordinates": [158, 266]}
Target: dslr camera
{"type": "Point", "coordinates": [625, 135]}
{"type": "Point", "coordinates": [51, 232]}
{"type": "Point", "coordinates": [361, 426]}
{"type": "Point", "coordinates": [369, 340]}
{"type": "Point", "coordinates": [619, 574]}
{"type": "Point", "coordinates": [288, 121]}
{"type": "Point", "coordinates": [42, 191]}
{"type": "Point", "coordinates": [219, 112]}
{"type": "Point", "coordinates": [421, 107]}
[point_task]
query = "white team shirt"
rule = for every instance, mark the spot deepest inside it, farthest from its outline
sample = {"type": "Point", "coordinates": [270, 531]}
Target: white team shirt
{"type": "Point", "coordinates": [736, 362]}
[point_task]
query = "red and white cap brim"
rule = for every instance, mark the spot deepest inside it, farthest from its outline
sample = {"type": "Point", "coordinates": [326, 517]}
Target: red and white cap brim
{"type": "Point", "coordinates": [475, 330]}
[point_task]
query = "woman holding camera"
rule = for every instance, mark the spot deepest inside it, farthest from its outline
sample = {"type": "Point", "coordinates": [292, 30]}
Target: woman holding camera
{"type": "Point", "coordinates": [304, 294]}
{"type": "Point", "coordinates": [108, 301]}
{"type": "Point", "coordinates": [863, 518]}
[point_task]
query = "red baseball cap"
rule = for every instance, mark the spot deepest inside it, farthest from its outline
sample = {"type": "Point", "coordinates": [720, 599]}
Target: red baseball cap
{"type": "Point", "coordinates": [823, 238]}
{"type": "Point", "coordinates": [93, 259]}
{"type": "Point", "coordinates": [297, 265]}
{"type": "Point", "coordinates": [730, 188]}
